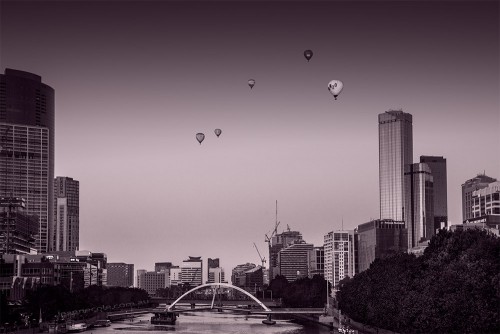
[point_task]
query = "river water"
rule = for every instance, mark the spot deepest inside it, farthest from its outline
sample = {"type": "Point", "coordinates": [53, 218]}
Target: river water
{"type": "Point", "coordinates": [210, 323]}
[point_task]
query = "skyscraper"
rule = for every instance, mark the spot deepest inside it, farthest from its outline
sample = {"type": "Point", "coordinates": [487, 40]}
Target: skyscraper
{"type": "Point", "coordinates": [66, 228]}
{"type": "Point", "coordinates": [395, 152]}
{"type": "Point", "coordinates": [438, 170]}
{"type": "Point", "coordinates": [419, 206]}
{"type": "Point", "coordinates": [27, 147]}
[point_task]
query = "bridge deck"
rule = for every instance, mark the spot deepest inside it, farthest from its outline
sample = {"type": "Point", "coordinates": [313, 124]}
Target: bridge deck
{"type": "Point", "coordinates": [254, 311]}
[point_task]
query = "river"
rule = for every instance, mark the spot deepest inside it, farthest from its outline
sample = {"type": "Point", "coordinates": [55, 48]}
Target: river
{"type": "Point", "coordinates": [211, 323]}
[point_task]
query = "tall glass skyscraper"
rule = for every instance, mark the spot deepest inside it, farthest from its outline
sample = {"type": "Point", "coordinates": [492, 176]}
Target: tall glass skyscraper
{"type": "Point", "coordinates": [395, 152]}
{"type": "Point", "coordinates": [27, 147]}
{"type": "Point", "coordinates": [419, 213]}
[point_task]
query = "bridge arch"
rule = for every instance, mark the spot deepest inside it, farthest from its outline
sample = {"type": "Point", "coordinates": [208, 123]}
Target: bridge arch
{"type": "Point", "coordinates": [218, 285]}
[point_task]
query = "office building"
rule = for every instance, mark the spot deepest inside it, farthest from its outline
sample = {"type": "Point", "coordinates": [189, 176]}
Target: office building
{"type": "Point", "coordinates": [486, 201]}
{"type": "Point", "coordinates": [162, 266]}
{"type": "Point", "coordinates": [120, 274]}
{"type": "Point", "coordinates": [479, 182]}
{"type": "Point", "coordinates": [66, 228]}
{"type": "Point", "coordinates": [213, 263]}
{"type": "Point", "coordinates": [317, 262]}
{"type": "Point", "coordinates": [27, 147]}
{"type": "Point", "coordinates": [216, 275]}
{"type": "Point", "coordinates": [294, 260]}
{"type": "Point", "coordinates": [439, 176]}
{"type": "Point", "coordinates": [17, 230]}
{"type": "Point", "coordinates": [395, 152]}
{"type": "Point", "coordinates": [247, 276]}
{"type": "Point", "coordinates": [380, 238]}
{"type": "Point", "coordinates": [175, 275]}
{"type": "Point", "coordinates": [140, 274]}
{"type": "Point", "coordinates": [419, 206]}
{"type": "Point", "coordinates": [277, 243]}
{"type": "Point", "coordinates": [237, 274]}
{"type": "Point", "coordinates": [152, 281]}
{"type": "Point", "coordinates": [340, 256]}
{"type": "Point", "coordinates": [192, 271]}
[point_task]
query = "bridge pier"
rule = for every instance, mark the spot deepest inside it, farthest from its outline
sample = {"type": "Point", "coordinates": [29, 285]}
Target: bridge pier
{"type": "Point", "coordinates": [268, 321]}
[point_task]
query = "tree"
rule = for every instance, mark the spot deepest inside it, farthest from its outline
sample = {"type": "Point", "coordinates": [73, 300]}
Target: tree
{"type": "Point", "coordinates": [453, 288]}
{"type": "Point", "coordinates": [278, 286]}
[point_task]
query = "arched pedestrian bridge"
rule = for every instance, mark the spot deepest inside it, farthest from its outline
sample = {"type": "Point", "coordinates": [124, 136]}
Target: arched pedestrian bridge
{"type": "Point", "coordinates": [264, 310]}
{"type": "Point", "coordinates": [214, 287]}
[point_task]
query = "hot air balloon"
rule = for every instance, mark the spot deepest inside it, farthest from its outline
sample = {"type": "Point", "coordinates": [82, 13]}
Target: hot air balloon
{"type": "Point", "coordinates": [218, 132]}
{"type": "Point", "coordinates": [251, 83]}
{"type": "Point", "coordinates": [199, 137]}
{"type": "Point", "coordinates": [335, 87]}
{"type": "Point", "coordinates": [308, 54]}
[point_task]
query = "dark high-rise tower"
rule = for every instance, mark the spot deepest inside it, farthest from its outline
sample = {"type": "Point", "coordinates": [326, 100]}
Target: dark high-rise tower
{"type": "Point", "coordinates": [395, 152]}
{"type": "Point", "coordinates": [27, 147]}
{"type": "Point", "coordinates": [438, 170]}
{"type": "Point", "coordinates": [419, 206]}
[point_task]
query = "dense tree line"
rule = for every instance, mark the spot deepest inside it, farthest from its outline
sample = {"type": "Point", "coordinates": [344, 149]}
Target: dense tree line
{"type": "Point", "coordinates": [454, 287]}
{"type": "Point", "coordinates": [304, 292]}
{"type": "Point", "coordinates": [53, 300]}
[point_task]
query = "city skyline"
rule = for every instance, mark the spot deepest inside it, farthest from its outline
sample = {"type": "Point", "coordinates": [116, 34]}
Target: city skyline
{"type": "Point", "coordinates": [135, 83]}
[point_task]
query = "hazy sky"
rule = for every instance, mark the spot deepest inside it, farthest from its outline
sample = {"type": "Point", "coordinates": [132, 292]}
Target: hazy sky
{"type": "Point", "coordinates": [136, 80]}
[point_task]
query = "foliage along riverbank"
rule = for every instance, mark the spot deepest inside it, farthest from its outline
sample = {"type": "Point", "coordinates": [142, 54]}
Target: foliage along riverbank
{"type": "Point", "coordinates": [453, 288]}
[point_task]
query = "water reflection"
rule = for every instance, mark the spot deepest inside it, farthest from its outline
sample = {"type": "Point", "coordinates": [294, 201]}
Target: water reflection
{"type": "Point", "coordinates": [210, 323]}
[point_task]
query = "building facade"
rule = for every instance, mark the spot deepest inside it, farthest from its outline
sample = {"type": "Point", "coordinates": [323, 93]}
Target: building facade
{"type": "Point", "coordinates": [395, 152]}
{"type": "Point", "coordinates": [486, 201]}
{"type": "Point", "coordinates": [152, 281]}
{"type": "Point", "coordinates": [216, 275]}
{"type": "Point", "coordinates": [380, 238]}
{"type": "Point", "coordinates": [66, 228]}
{"type": "Point", "coordinates": [17, 230]}
{"type": "Point", "coordinates": [440, 184]}
{"type": "Point", "coordinates": [27, 147]}
{"type": "Point", "coordinates": [175, 275]}
{"type": "Point", "coordinates": [340, 256]}
{"type": "Point", "coordinates": [419, 207]}
{"type": "Point", "coordinates": [192, 271]}
{"type": "Point", "coordinates": [120, 274]}
{"type": "Point", "coordinates": [163, 266]}
{"type": "Point", "coordinates": [294, 260]}
{"type": "Point", "coordinates": [479, 182]}
{"type": "Point", "coordinates": [139, 275]}
{"type": "Point", "coordinates": [277, 243]}
{"type": "Point", "coordinates": [238, 273]}
{"type": "Point", "coordinates": [317, 262]}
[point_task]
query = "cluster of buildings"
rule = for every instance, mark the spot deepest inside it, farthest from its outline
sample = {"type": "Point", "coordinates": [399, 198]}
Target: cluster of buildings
{"type": "Point", "coordinates": [413, 207]}
{"type": "Point", "coordinates": [39, 213]}
{"type": "Point", "coordinates": [166, 275]}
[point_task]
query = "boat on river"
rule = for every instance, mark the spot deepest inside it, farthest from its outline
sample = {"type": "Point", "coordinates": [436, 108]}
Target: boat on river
{"type": "Point", "coordinates": [76, 327]}
{"type": "Point", "coordinates": [163, 318]}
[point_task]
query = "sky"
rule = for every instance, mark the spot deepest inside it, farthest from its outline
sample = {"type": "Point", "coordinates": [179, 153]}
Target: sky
{"type": "Point", "coordinates": [136, 80]}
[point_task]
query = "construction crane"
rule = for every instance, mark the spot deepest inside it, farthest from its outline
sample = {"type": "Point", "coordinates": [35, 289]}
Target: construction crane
{"type": "Point", "coordinates": [275, 231]}
{"type": "Point", "coordinates": [262, 259]}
